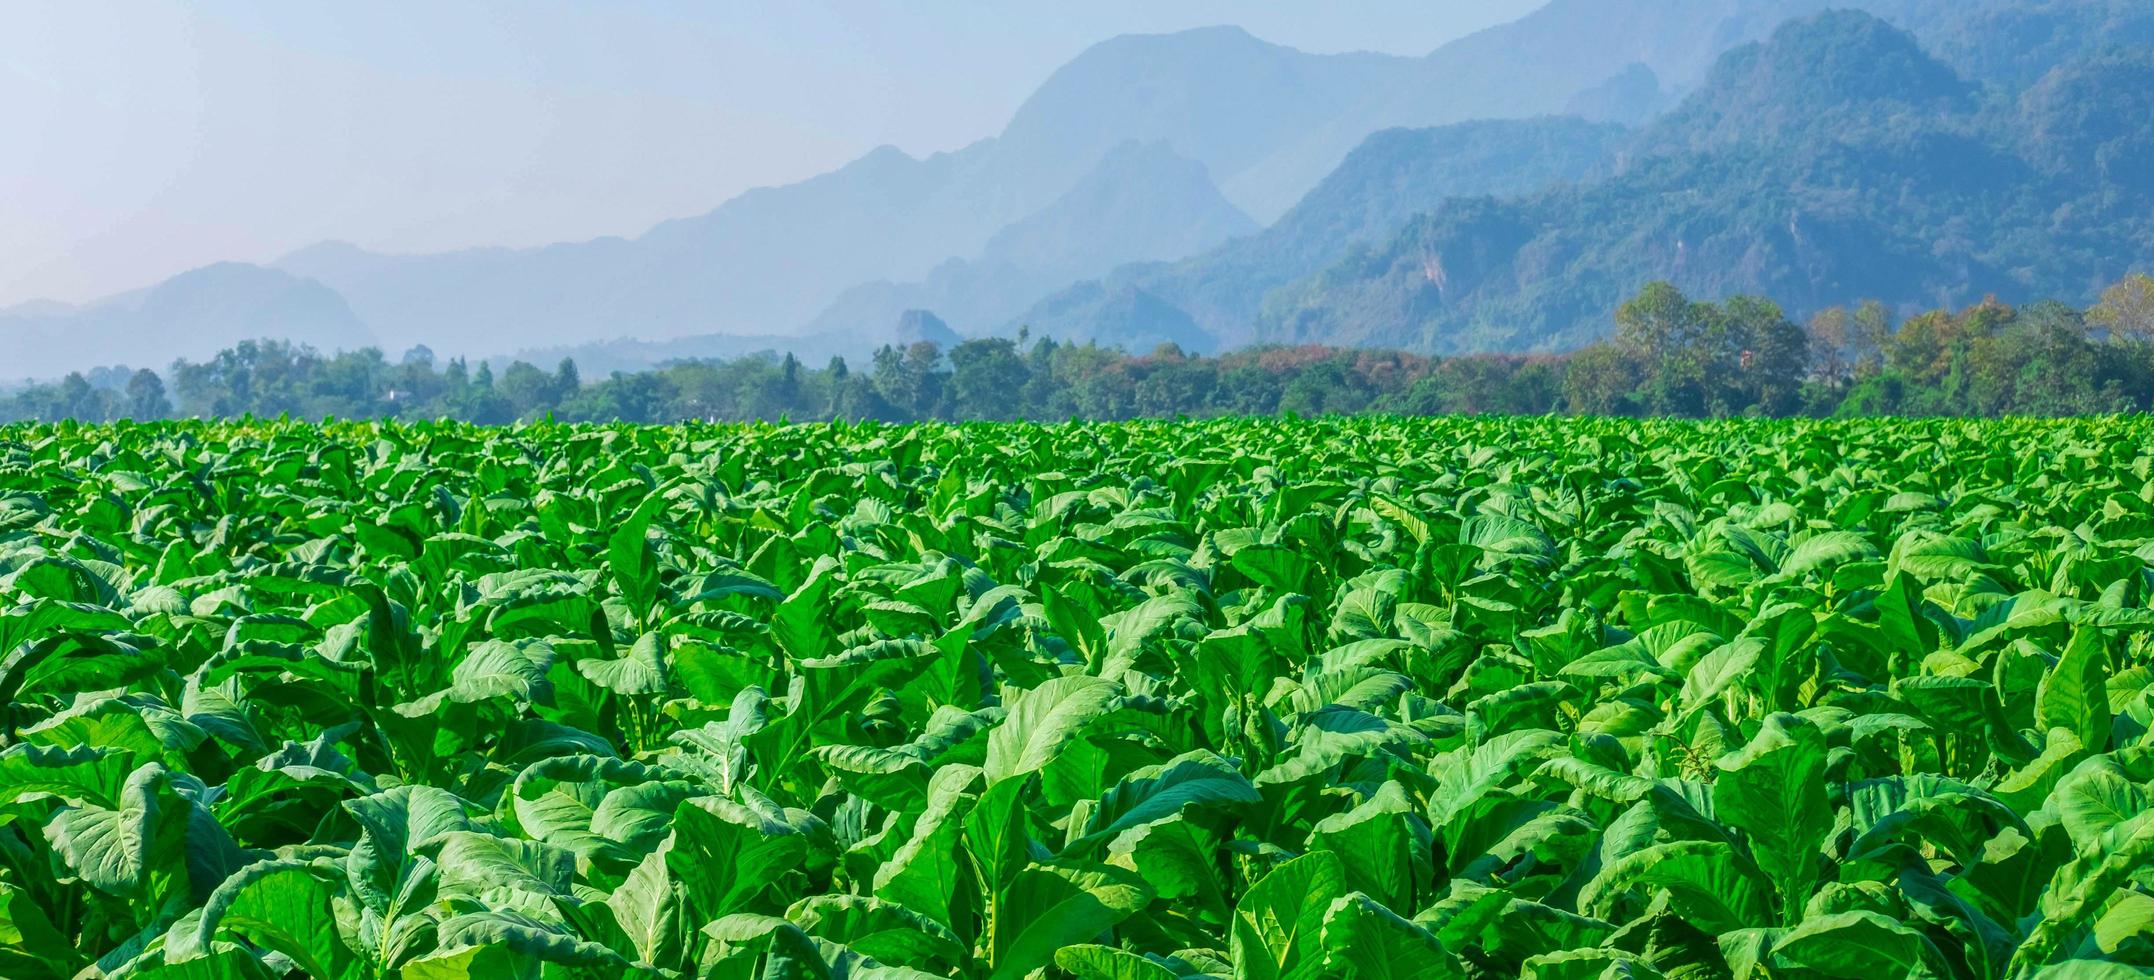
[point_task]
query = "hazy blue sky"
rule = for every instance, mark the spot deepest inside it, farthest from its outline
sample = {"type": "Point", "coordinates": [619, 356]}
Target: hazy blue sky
{"type": "Point", "coordinates": [149, 136]}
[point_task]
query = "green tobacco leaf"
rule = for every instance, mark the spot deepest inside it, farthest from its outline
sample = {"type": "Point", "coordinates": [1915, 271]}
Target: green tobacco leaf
{"type": "Point", "coordinates": [1855, 944]}
{"type": "Point", "coordinates": [281, 906]}
{"type": "Point", "coordinates": [1198, 779]}
{"type": "Point", "coordinates": [630, 558]}
{"type": "Point", "coordinates": [1704, 880]}
{"type": "Point", "coordinates": [2089, 970]}
{"type": "Point", "coordinates": [640, 672]}
{"type": "Point", "coordinates": [801, 622]}
{"type": "Point", "coordinates": [1278, 924]}
{"type": "Point", "coordinates": [1363, 940]}
{"type": "Point", "coordinates": [1043, 720]}
{"type": "Point", "coordinates": [725, 853]}
{"type": "Point", "coordinates": [646, 907]}
{"type": "Point", "coordinates": [524, 938]}
{"type": "Point", "coordinates": [112, 847]}
{"type": "Point", "coordinates": [495, 669]}
{"type": "Point", "coordinates": [476, 864]}
{"type": "Point", "coordinates": [1077, 625]}
{"type": "Point", "coordinates": [1773, 790]}
{"type": "Point", "coordinates": [1048, 907]}
{"type": "Point", "coordinates": [25, 928]}
{"type": "Point", "coordinates": [2074, 695]}
{"type": "Point", "coordinates": [1383, 846]}
{"type": "Point", "coordinates": [883, 931]}
{"type": "Point", "coordinates": [923, 873]}
{"type": "Point", "coordinates": [1094, 962]}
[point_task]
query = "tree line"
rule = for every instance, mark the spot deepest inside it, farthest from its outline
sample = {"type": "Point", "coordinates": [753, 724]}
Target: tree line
{"type": "Point", "coordinates": [1670, 355]}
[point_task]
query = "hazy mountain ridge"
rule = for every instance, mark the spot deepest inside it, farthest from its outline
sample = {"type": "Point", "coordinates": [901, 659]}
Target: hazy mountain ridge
{"type": "Point", "coordinates": [1060, 224]}
{"type": "Point", "coordinates": [1266, 121]}
{"type": "Point", "coordinates": [1390, 177]}
{"type": "Point", "coordinates": [1142, 202]}
{"type": "Point", "coordinates": [193, 314]}
{"type": "Point", "coordinates": [769, 260]}
{"type": "Point", "coordinates": [1876, 175]}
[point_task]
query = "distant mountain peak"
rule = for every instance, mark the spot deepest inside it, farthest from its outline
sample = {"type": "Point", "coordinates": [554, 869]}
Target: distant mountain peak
{"type": "Point", "coordinates": [1808, 75]}
{"type": "Point", "coordinates": [914, 326]}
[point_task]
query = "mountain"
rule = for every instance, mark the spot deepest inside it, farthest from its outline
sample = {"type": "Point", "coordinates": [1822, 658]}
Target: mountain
{"type": "Point", "coordinates": [1215, 95]}
{"type": "Point", "coordinates": [1392, 176]}
{"type": "Point", "coordinates": [1834, 162]}
{"type": "Point", "coordinates": [1629, 97]}
{"type": "Point", "coordinates": [1266, 122]}
{"type": "Point", "coordinates": [192, 315]}
{"type": "Point", "coordinates": [761, 263]}
{"type": "Point", "coordinates": [1215, 189]}
{"type": "Point", "coordinates": [1611, 63]}
{"type": "Point", "coordinates": [1142, 202]}
{"type": "Point", "coordinates": [768, 261]}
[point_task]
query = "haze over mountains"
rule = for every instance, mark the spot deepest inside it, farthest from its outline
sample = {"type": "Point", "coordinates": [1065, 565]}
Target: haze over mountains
{"type": "Point", "coordinates": [1212, 189]}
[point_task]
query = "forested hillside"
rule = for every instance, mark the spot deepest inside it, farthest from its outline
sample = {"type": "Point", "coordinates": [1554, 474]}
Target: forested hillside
{"type": "Point", "coordinates": [1835, 162]}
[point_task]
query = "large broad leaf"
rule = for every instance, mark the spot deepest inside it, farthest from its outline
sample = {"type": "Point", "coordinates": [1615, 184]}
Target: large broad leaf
{"type": "Point", "coordinates": [725, 853]}
{"type": "Point", "coordinates": [1825, 551]}
{"type": "Point", "coordinates": [1278, 924]}
{"type": "Point", "coordinates": [1855, 944]}
{"type": "Point", "coordinates": [397, 823]}
{"type": "Point", "coordinates": [883, 931]}
{"type": "Point", "coordinates": [2074, 695]}
{"type": "Point", "coordinates": [1589, 964]}
{"type": "Point", "coordinates": [1047, 907]}
{"type": "Point", "coordinates": [2096, 797]}
{"type": "Point", "coordinates": [229, 962]}
{"type": "Point", "coordinates": [1180, 861]}
{"type": "Point", "coordinates": [748, 946]}
{"type": "Point", "coordinates": [1043, 720]}
{"type": "Point", "coordinates": [112, 847]}
{"type": "Point", "coordinates": [1383, 845]}
{"type": "Point", "coordinates": [281, 906]}
{"type": "Point", "coordinates": [630, 558]}
{"type": "Point", "coordinates": [640, 672]}
{"type": "Point", "coordinates": [2089, 970]}
{"type": "Point", "coordinates": [496, 943]}
{"type": "Point", "coordinates": [495, 669]}
{"type": "Point", "coordinates": [1127, 631]}
{"type": "Point", "coordinates": [1363, 940]}
{"type": "Point", "coordinates": [1078, 626]}
{"type": "Point", "coordinates": [1197, 779]}
{"type": "Point", "coordinates": [1704, 880]}
{"type": "Point", "coordinates": [2079, 890]}
{"type": "Point", "coordinates": [1773, 790]}
{"type": "Point", "coordinates": [1089, 961]}
{"type": "Point", "coordinates": [30, 945]}
{"type": "Point", "coordinates": [801, 623]}
{"type": "Point", "coordinates": [646, 907]}
{"type": "Point", "coordinates": [923, 873]}
{"type": "Point", "coordinates": [474, 865]}
{"type": "Point", "coordinates": [1465, 776]}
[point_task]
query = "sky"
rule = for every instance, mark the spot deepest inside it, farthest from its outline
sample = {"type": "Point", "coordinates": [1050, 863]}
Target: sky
{"type": "Point", "coordinates": [146, 137]}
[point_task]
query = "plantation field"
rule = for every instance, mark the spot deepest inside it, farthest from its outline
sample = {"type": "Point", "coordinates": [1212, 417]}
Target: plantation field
{"type": "Point", "coordinates": [1365, 698]}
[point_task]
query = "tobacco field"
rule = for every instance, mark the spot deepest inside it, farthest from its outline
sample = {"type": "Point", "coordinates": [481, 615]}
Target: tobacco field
{"type": "Point", "coordinates": [1349, 698]}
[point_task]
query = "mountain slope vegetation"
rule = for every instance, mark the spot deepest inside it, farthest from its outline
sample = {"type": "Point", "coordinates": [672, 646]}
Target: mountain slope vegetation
{"type": "Point", "coordinates": [1833, 163]}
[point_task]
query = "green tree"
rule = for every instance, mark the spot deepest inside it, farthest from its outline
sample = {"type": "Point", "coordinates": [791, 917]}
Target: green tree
{"type": "Point", "coordinates": [146, 396]}
{"type": "Point", "coordinates": [1770, 356]}
{"type": "Point", "coordinates": [1672, 336]}
{"type": "Point", "coordinates": [2126, 310]}
{"type": "Point", "coordinates": [527, 390]}
{"type": "Point", "coordinates": [987, 379]}
{"type": "Point", "coordinates": [1603, 380]}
